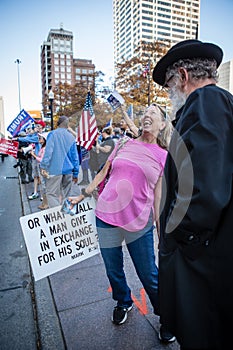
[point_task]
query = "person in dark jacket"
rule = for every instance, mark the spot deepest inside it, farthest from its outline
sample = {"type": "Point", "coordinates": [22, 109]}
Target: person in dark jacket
{"type": "Point", "coordinates": [196, 237]}
{"type": "Point", "coordinates": [105, 148]}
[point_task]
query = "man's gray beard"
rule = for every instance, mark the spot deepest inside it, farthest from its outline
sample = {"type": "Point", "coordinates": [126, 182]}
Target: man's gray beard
{"type": "Point", "coordinates": [178, 99]}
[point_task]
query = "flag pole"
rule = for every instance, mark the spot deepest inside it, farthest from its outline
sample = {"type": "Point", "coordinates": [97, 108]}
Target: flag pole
{"type": "Point", "coordinates": [148, 77]}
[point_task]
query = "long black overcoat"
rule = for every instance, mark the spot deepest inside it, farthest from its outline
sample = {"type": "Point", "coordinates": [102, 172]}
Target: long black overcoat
{"type": "Point", "coordinates": [196, 247]}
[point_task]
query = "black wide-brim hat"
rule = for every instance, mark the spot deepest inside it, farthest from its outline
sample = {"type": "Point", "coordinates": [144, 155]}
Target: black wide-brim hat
{"type": "Point", "coordinates": [185, 49]}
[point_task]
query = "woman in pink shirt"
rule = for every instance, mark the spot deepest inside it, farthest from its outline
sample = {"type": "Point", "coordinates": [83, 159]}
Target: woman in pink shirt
{"type": "Point", "coordinates": [39, 157]}
{"type": "Point", "coordinates": [128, 207]}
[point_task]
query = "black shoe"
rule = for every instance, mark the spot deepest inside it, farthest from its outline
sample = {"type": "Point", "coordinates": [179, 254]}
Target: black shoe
{"type": "Point", "coordinates": [165, 336]}
{"type": "Point", "coordinates": [120, 314]}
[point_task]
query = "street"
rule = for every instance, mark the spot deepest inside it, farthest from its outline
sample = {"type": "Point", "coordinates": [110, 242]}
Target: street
{"type": "Point", "coordinates": [17, 329]}
{"type": "Point", "coordinates": [70, 309]}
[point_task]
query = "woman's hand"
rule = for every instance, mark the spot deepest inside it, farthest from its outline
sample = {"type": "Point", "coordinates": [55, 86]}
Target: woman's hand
{"type": "Point", "coordinates": [75, 200]}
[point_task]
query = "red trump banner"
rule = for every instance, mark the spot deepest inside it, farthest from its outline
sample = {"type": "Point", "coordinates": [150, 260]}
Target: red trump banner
{"type": "Point", "coordinates": [9, 147]}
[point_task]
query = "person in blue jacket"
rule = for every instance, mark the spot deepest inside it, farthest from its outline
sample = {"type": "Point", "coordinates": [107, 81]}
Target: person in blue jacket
{"type": "Point", "coordinates": [60, 164]}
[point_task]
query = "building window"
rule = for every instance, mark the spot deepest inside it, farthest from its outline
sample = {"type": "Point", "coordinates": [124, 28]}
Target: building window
{"type": "Point", "coordinates": [147, 37]}
{"type": "Point", "coordinates": [163, 33]}
{"type": "Point", "coordinates": [147, 18]}
{"type": "Point", "coordinates": [178, 30]}
{"type": "Point", "coordinates": [163, 27]}
{"type": "Point", "coordinates": [150, 13]}
{"type": "Point", "coordinates": [146, 31]}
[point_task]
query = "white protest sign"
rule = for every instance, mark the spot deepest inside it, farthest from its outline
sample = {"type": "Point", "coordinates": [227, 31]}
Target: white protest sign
{"type": "Point", "coordinates": [115, 100]}
{"type": "Point", "coordinates": [56, 240]}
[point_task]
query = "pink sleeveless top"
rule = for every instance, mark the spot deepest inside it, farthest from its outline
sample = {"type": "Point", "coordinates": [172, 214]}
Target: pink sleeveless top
{"type": "Point", "coordinates": [128, 197]}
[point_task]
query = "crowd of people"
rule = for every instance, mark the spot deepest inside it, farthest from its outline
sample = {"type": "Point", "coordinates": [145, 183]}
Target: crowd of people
{"type": "Point", "coordinates": [51, 159]}
{"type": "Point", "coordinates": [173, 178]}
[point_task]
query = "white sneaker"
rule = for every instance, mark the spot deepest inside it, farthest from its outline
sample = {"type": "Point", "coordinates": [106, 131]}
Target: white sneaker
{"type": "Point", "coordinates": [33, 196]}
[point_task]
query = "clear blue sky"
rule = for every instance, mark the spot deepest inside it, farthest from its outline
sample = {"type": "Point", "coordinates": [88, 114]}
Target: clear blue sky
{"type": "Point", "coordinates": [25, 24]}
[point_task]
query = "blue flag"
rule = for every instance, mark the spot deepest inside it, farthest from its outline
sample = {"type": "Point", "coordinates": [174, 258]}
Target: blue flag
{"type": "Point", "coordinates": [109, 123]}
{"type": "Point", "coordinates": [130, 111]}
{"type": "Point", "coordinates": [22, 120]}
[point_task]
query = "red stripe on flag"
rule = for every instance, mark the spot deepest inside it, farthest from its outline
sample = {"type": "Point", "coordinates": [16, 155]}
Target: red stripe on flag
{"type": "Point", "coordinates": [87, 129]}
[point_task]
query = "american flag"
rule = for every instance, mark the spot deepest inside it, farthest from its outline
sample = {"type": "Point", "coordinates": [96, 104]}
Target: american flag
{"type": "Point", "coordinates": [87, 128]}
{"type": "Point", "coordinates": [146, 71]}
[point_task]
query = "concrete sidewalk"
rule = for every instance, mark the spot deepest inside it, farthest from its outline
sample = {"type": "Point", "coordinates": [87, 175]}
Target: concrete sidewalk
{"type": "Point", "coordinates": [74, 306]}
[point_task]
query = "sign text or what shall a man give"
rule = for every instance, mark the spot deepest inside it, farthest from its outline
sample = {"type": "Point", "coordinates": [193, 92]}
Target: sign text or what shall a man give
{"type": "Point", "coordinates": [56, 240]}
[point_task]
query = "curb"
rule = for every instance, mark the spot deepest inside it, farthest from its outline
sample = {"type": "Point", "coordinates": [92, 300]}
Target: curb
{"type": "Point", "coordinates": [50, 336]}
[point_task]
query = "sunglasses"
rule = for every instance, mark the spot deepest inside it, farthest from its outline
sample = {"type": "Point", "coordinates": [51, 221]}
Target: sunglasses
{"type": "Point", "coordinates": [165, 85]}
{"type": "Point", "coordinates": [163, 110]}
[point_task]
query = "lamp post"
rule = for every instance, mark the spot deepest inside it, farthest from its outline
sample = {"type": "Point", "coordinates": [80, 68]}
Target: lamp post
{"type": "Point", "coordinates": [18, 63]}
{"type": "Point", "coordinates": [51, 98]}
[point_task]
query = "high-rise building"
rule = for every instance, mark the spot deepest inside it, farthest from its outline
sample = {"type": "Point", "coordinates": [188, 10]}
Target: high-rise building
{"type": "Point", "coordinates": [150, 20]}
{"type": "Point", "coordinates": [84, 71]}
{"type": "Point", "coordinates": [58, 64]}
{"type": "Point", "coordinates": [226, 76]}
{"type": "Point", "coordinates": [56, 59]}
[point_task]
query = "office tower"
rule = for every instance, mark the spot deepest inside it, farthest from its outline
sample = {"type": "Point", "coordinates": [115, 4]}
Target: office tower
{"type": "Point", "coordinates": [84, 71]}
{"type": "Point", "coordinates": [150, 20]}
{"type": "Point", "coordinates": [226, 76]}
{"type": "Point", "coordinates": [56, 59]}
{"type": "Point", "coordinates": [59, 66]}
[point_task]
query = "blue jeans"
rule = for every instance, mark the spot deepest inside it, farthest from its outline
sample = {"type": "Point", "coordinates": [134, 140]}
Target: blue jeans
{"type": "Point", "coordinates": [141, 249]}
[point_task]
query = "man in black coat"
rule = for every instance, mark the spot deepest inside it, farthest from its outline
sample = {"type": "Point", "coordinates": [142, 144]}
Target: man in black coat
{"type": "Point", "coordinates": [196, 233]}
